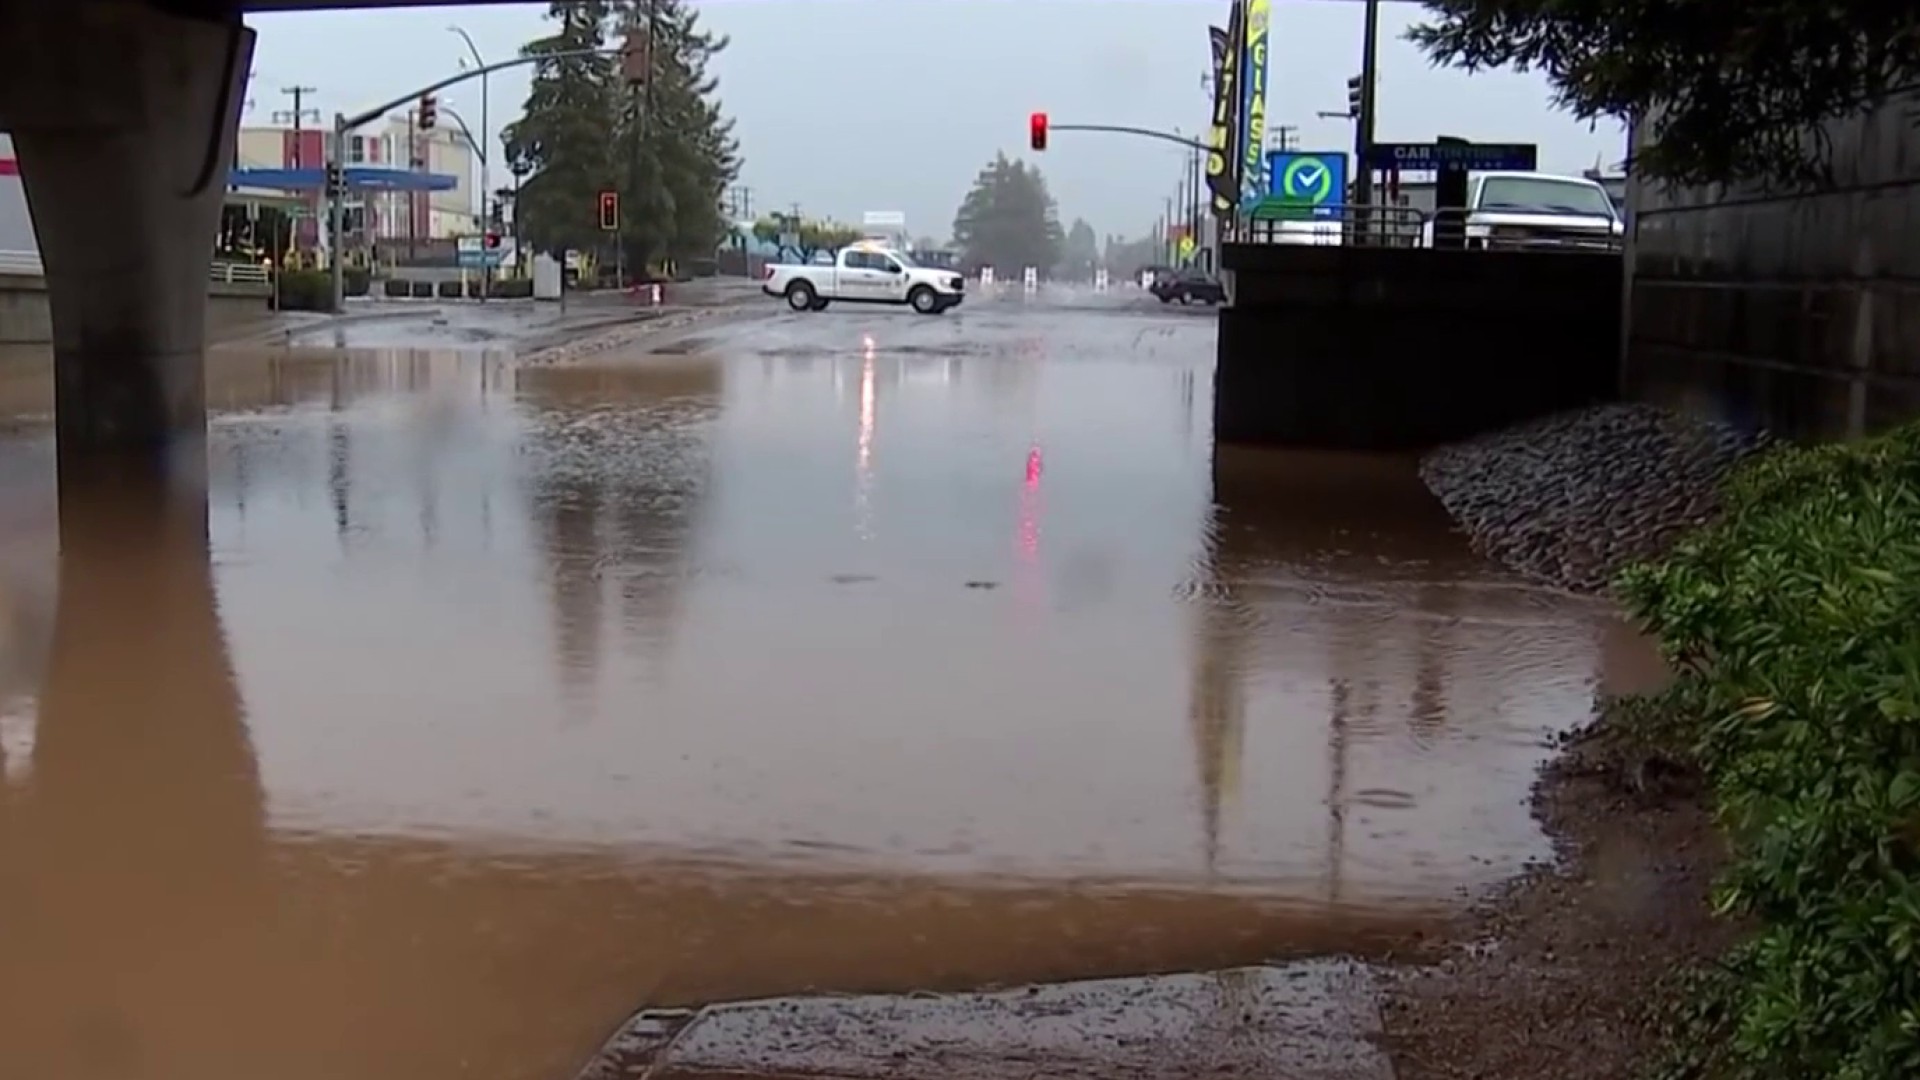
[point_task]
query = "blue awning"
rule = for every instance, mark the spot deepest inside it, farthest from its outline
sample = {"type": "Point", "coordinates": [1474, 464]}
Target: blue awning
{"type": "Point", "coordinates": [357, 177]}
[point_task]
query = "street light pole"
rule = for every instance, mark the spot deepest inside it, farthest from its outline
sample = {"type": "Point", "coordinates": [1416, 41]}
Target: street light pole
{"type": "Point", "coordinates": [486, 133]}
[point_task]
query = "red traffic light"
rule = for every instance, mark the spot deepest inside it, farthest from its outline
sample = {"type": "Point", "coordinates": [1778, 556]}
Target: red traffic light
{"type": "Point", "coordinates": [429, 112]}
{"type": "Point", "coordinates": [492, 240]}
{"type": "Point", "coordinates": [1037, 130]}
{"type": "Point", "coordinates": [610, 210]}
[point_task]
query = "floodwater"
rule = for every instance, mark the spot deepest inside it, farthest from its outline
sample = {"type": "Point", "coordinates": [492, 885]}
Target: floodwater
{"type": "Point", "coordinates": [473, 707]}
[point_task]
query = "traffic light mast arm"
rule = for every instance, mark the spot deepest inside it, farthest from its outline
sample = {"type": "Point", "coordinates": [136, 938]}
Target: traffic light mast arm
{"type": "Point", "coordinates": [348, 123]}
{"type": "Point", "coordinates": [1147, 133]}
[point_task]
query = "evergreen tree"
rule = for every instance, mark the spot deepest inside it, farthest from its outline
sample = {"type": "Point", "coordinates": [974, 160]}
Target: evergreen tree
{"type": "Point", "coordinates": [662, 141]}
{"type": "Point", "coordinates": [1724, 92]}
{"type": "Point", "coordinates": [1078, 253]}
{"type": "Point", "coordinates": [1008, 220]}
{"type": "Point", "coordinates": [676, 149]}
{"type": "Point", "coordinates": [563, 138]}
{"type": "Point", "coordinates": [1125, 258]}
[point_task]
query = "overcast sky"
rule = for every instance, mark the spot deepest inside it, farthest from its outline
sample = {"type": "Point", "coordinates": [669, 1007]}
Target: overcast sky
{"type": "Point", "coordinates": [844, 106]}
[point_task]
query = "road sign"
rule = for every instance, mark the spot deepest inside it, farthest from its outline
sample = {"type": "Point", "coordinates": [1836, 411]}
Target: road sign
{"type": "Point", "coordinates": [473, 252]}
{"type": "Point", "coordinates": [986, 276]}
{"type": "Point", "coordinates": [1030, 279]}
{"type": "Point", "coordinates": [1186, 247]}
{"type": "Point", "coordinates": [1100, 280]}
{"type": "Point", "coordinates": [1313, 180]}
{"type": "Point", "coordinates": [1475, 157]}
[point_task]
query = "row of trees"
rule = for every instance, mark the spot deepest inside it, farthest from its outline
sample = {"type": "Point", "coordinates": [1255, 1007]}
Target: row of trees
{"type": "Point", "coordinates": [662, 143]}
{"type": "Point", "coordinates": [1723, 92]}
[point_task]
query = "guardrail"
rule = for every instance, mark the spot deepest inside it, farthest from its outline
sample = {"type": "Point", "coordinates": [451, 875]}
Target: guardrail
{"type": "Point", "coordinates": [1409, 227]}
{"type": "Point", "coordinates": [231, 273]}
{"type": "Point", "coordinates": [238, 273]}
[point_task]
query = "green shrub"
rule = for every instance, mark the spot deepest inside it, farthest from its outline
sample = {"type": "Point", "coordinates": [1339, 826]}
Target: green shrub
{"type": "Point", "coordinates": [356, 282]}
{"type": "Point", "coordinates": [513, 288]}
{"type": "Point", "coordinates": [397, 287]}
{"type": "Point", "coordinates": [1795, 623]}
{"type": "Point", "coordinates": [450, 290]}
{"type": "Point", "coordinates": [303, 290]}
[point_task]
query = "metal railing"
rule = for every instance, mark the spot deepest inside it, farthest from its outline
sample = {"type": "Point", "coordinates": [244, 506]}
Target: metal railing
{"type": "Point", "coordinates": [1410, 227]}
{"type": "Point", "coordinates": [232, 273]}
{"type": "Point", "coordinates": [238, 273]}
{"type": "Point", "coordinates": [1338, 225]}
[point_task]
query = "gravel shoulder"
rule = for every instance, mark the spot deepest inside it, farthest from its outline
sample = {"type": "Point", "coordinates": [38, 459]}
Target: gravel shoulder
{"type": "Point", "coordinates": [1564, 975]}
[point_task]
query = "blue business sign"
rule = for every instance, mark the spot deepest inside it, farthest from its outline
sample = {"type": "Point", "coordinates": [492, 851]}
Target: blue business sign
{"type": "Point", "coordinates": [1474, 157]}
{"type": "Point", "coordinates": [1312, 180]}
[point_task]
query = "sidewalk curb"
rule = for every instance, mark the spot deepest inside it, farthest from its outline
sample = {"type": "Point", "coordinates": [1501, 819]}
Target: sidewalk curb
{"type": "Point", "coordinates": [280, 334]}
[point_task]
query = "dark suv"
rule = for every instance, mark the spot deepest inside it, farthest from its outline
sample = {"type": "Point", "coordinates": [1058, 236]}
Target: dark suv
{"type": "Point", "coordinates": [1187, 286]}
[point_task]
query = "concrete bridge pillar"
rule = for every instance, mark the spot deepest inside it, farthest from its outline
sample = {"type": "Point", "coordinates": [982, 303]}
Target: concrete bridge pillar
{"type": "Point", "coordinates": [123, 116]}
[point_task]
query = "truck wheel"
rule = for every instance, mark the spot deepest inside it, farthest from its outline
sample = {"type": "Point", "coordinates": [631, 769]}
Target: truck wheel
{"type": "Point", "coordinates": [817, 305]}
{"type": "Point", "coordinates": [924, 300]}
{"type": "Point", "coordinates": [800, 296]}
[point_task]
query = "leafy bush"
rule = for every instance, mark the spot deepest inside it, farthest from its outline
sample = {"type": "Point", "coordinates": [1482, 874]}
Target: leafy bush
{"type": "Point", "coordinates": [422, 290]}
{"type": "Point", "coordinates": [450, 290]}
{"type": "Point", "coordinates": [303, 290]}
{"type": "Point", "coordinates": [1795, 624]}
{"type": "Point", "coordinates": [397, 287]}
{"type": "Point", "coordinates": [356, 282]}
{"type": "Point", "coordinates": [513, 288]}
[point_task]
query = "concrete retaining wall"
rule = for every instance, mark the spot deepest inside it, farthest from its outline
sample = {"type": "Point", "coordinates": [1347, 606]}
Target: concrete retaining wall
{"type": "Point", "coordinates": [232, 309]}
{"type": "Point", "coordinates": [1399, 348]}
{"type": "Point", "coordinates": [1795, 311]}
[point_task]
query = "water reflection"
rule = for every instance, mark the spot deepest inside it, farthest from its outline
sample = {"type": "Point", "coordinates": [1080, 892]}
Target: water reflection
{"type": "Point", "coordinates": [136, 880]}
{"type": "Point", "coordinates": [784, 663]}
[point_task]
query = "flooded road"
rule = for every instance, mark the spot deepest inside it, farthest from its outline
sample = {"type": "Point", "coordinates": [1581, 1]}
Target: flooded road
{"type": "Point", "coordinates": [478, 705]}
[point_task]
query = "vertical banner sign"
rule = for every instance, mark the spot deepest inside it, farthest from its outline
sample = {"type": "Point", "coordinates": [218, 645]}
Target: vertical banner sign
{"type": "Point", "coordinates": [1223, 160]}
{"type": "Point", "coordinates": [1253, 105]}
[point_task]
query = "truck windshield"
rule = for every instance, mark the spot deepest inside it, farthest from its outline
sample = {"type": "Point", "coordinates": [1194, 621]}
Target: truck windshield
{"type": "Point", "coordinates": [1543, 194]}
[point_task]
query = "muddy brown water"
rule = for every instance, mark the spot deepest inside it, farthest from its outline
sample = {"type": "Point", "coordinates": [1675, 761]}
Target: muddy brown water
{"type": "Point", "coordinates": [475, 706]}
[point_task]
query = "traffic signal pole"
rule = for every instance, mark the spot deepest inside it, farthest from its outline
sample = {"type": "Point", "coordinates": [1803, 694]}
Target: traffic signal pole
{"type": "Point", "coordinates": [1145, 133]}
{"type": "Point", "coordinates": [1363, 123]}
{"type": "Point", "coordinates": [343, 123]}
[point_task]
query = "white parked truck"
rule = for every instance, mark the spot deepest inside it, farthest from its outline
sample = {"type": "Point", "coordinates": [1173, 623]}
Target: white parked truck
{"type": "Point", "coordinates": [1531, 210]}
{"type": "Point", "coordinates": [866, 274]}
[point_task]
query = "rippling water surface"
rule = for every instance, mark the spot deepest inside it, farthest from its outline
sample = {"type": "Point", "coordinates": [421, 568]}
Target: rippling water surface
{"type": "Point", "coordinates": [850, 653]}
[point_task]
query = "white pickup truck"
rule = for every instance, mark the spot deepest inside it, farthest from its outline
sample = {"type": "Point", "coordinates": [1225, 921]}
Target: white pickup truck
{"type": "Point", "coordinates": [866, 274]}
{"type": "Point", "coordinates": [1530, 209]}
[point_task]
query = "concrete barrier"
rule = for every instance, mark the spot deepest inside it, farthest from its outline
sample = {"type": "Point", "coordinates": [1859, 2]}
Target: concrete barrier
{"type": "Point", "coordinates": [232, 308]}
{"type": "Point", "coordinates": [1790, 310]}
{"type": "Point", "coordinates": [1374, 348]}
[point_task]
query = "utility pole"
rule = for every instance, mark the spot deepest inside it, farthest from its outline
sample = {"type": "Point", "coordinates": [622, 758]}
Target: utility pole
{"type": "Point", "coordinates": [297, 116]}
{"type": "Point", "coordinates": [1196, 173]}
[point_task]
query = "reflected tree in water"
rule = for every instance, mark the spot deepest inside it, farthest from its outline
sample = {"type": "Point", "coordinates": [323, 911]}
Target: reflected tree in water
{"type": "Point", "coordinates": [617, 475]}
